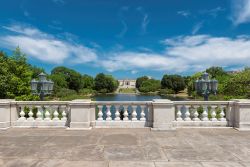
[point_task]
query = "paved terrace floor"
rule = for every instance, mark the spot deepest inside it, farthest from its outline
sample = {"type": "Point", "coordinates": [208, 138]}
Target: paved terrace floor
{"type": "Point", "coordinates": [124, 147]}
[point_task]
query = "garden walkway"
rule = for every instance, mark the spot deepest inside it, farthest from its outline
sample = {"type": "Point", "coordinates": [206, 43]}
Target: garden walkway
{"type": "Point", "coordinates": [124, 147]}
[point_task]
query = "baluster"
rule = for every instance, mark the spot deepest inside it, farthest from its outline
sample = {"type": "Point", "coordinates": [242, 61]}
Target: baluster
{"type": "Point", "coordinates": [134, 114]}
{"type": "Point", "coordinates": [222, 115]}
{"type": "Point", "coordinates": [204, 113]}
{"type": "Point", "coordinates": [31, 118]}
{"type": "Point", "coordinates": [108, 113]}
{"type": "Point", "coordinates": [187, 114]}
{"type": "Point", "coordinates": [125, 113]}
{"type": "Point", "coordinates": [100, 114]}
{"type": "Point", "coordinates": [178, 114]}
{"type": "Point", "coordinates": [213, 113]}
{"type": "Point", "coordinates": [39, 113]}
{"type": "Point", "coordinates": [143, 113]}
{"type": "Point", "coordinates": [22, 114]}
{"type": "Point", "coordinates": [117, 113]}
{"type": "Point", "coordinates": [64, 118]}
{"type": "Point", "coordinates": [196, 114]}
{"type": "Point", "coordinates": [47, 114]}
{"type": "Point", "coordinates": [56, 114]}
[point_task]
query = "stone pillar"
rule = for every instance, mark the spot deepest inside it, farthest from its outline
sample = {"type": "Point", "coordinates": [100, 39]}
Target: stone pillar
{"type": "Point", "coordinates": [230, 113]}
{"type": "Point", "coordinates": [242, 114]}
{"type": "Point", "coordinates": [93, 114]}
{"type": "Point", "coordinates": [5, 121]}
{"type": "Point", "coordinates": [14, 113]}
{"type": "Point", "coordinates": [163, 114]}
{"type": "Point", "coordinates": [80, 114]}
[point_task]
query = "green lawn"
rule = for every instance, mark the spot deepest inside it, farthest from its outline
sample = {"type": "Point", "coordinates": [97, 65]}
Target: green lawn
{"type": "Point", "coordinates": [127, 90]}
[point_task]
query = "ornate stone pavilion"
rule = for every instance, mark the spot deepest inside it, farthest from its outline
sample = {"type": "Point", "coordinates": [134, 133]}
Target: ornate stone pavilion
{"type": "Point", "coordinates": [127, 83]}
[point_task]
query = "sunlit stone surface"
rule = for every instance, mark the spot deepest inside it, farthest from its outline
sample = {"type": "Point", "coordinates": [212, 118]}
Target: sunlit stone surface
{"type": "Point", "coordinates": [124, 147]}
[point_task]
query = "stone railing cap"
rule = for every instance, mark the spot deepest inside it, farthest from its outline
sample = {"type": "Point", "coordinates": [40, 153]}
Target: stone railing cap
{"type": "Point", "coordinates": [6, 100]}
{"type": "Point", "coordinates": [161, 100]}
{"type": "Point", "coordinates": [81, 100]}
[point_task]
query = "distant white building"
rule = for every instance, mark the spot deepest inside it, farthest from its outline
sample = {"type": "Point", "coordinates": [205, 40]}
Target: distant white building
{"type": "Point", "coordinates": [127, 83]}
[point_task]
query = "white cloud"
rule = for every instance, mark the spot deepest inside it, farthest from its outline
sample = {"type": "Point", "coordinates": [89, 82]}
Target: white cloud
{"type": "Point", "coordinates": [186, 54]}
{"type": "Point", "coordinates": [134, 72]}
{"type": "Point", "coordinates": [24, 30]}
{"type": "Point", "coordinates": [137, 60]}
{"type": "Point", "coordinates": [213, 12]}
{"type": "Point", "coordinates": [26, 13]}
{"type": "Point", "coordinates": [184, 13]}
{"type": "Point", "coordinates": [45, 47]}
{"type": "Point", "coordinates": [121, 13]}
{"type": "Point", "coordinates": [145, 23]}
{"type": "Point", "coordinates": [59, 2]}
{"type": "Point", "coordinates": [145, 19]}
{"type": "Point", "coordinates": [197, 27]}
{"type": "Point", "coordinates": [181, 54]}
{"type": "Point", "coordinates": [124, 29]}
{"type": "Point", "coordinates": [240, 11]}
{"type": "Point", "coordinates": [202, 51]}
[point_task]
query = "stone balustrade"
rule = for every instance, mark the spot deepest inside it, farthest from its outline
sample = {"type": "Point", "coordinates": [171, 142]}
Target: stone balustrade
{"type": "Point", "coordinates": [205, 113]}
{"type": "Point", "coordinates": [123, 114]}
{"type": "Point", "coordinates": [157, 114]}
{"type": "Point", "coordinates": [40, 114]}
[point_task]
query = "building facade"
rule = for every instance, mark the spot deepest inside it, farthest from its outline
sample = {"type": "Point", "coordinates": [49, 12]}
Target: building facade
{"type": "Point", "coordinates": [127, 83]}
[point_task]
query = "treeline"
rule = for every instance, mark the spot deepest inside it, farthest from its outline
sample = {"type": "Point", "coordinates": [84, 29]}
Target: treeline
{"type": "Point", "coordinates": [230, 85]}
{"type": "Point", "coordinates": [235, 85]}
{"type": "Point", "coordinates": [170, 84]}
{"type": "Point", "coordinates": [69, 83]}
{"type": "Point", "coordinates": [16, 74]}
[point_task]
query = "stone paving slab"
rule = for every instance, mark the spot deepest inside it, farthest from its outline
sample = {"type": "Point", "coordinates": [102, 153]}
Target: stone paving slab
{"type": "Point", "coordinates": [124, 147]}
{"type": "Point", "coordinates": [221, 164]}
{"type": "Point", "coordinates": [131, 164]}
{"type": "Point", "coordinates": [178, 164]}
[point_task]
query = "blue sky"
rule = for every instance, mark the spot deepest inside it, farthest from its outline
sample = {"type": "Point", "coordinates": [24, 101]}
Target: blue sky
{"type": "Point", "coordinates": [129, 38]}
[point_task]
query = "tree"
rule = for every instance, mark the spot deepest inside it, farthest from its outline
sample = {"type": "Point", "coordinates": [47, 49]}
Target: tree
{"type": "Point", "coordinates": [59, 82]}
{"type": "Point", "coordinates": [73, 78]}
{"type": "Point", "coordinates": [15, 76]}
{"type": "Point", "coordinates": [190, 84]}
{"type": "Point", "coordinates": [174, 82]}
{"type": "Point", "coordinates": [150, 85]}
{"type": "Point", "coordinates": [238, 84]}
{"type": "Point", "coordinates": [36, 71]}
{"type": "Point", "coordinates": [88, 81]}
{"type": "Point", "coordinates": [140, 80]}
{"type": "Point", "coordinates": [105, 83]}
{"type": "Point", "coordinates": [216, 71]}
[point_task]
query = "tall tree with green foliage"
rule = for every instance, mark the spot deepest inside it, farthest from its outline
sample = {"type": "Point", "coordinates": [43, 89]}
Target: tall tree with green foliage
{"type": "Point", "coordinates": [88, 82]}
{"type": "Point", "coordinates": [36, 71]}
{"type": "Point", "coordinates": [15, 76]}
{"type": "Point", "coordinates": [174, 82]}
{"type": "Point", "coordinates": [150, 85]}
{"type": "Point", "coordinates": [140, 80]}
{"type": "Point", "coordinates": [105, 83]}
{"type": "Point", "coordinates": [238, 85]}
{"type": "Point", "coordinates": [216, 72]}
{"type": "Point", "coordinates": [190, 84]}
{"type": "Point", "coordinates": [73, 78]}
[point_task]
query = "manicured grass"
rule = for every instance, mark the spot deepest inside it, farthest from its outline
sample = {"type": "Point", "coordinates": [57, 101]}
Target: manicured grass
{"type": "Point", "coordinates": [127, 90]}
